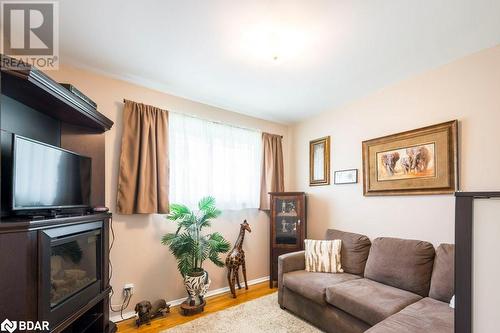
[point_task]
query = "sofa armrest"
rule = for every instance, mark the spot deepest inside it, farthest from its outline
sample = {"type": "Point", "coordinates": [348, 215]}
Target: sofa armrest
{"type": "Point", "coordinates": [289, 262]}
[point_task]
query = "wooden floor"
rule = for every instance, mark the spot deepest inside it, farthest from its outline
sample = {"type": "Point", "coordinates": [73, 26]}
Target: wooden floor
{"type": "Point", "coordinates": [214, 304]}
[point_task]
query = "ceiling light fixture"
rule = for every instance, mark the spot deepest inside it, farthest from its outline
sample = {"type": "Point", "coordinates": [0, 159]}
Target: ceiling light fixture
{"type": "Point", "coordinates": [270, 41]}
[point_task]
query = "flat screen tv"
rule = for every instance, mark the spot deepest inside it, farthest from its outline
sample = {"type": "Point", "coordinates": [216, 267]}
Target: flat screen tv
{"type": "Point", "coordinates": [48, 177]}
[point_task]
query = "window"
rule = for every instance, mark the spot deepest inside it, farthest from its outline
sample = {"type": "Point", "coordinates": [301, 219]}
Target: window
{"type": "Point", "coordinates": [208, 158]}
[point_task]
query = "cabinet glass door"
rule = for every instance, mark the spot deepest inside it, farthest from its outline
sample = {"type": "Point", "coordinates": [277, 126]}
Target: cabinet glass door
{"type": "Point", "coordinates": [287, 221]}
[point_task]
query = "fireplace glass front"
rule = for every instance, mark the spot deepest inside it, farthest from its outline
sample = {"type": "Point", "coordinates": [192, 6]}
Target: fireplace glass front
{"type": "Point", "coordinates": [73, 265]}
{"type": "Point", "coordinates": [70, 269]}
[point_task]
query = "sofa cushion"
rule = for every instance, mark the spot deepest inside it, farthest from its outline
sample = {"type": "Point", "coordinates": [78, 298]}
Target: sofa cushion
{"type": "Point", "coordinates": [424, 316]}
{"type": "Point", "coordinates": [401, 263]}
{"type": "Point", "coordinates": [354, 250]}
{"type": "Point", "coordinates": [312, 285]}
{"type": "Point", "coordinates": [369, 300]}
{"type": "Point", "coordinates": [443, 280]}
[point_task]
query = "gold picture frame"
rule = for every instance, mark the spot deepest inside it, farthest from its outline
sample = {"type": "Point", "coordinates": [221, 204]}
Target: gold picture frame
{"type": "Point", "coordinates": [420, 161]}
{"type": "Point", "coordinates": [319, 162]}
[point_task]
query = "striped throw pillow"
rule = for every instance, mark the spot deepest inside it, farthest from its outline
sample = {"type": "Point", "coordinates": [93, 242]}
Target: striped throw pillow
{"type": "Point", "coordinates": [323, 255]}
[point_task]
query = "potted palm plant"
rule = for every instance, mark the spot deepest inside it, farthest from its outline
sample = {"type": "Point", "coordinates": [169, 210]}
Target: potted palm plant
{"type": "Point", "coordinates": [191, 247]}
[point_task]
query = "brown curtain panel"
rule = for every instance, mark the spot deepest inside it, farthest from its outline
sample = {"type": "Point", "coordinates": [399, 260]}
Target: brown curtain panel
{"type": "Point", "coordinates": [272, 179]}
{"type": "Point", "coordinates": [143, 177]}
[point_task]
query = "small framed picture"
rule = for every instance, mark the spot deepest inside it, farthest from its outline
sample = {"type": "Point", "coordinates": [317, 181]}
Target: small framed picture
{"type": "Point", "coordinates": [346, 176]}
{"type": "Point", "coordinates": [319, 162]}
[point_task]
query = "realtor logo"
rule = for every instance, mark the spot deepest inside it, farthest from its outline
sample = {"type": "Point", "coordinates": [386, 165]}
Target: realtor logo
{"type": "Point", "coordinates": [30, 32]}
{"type": "Point", "coordinates": [8, 326]}
{"type": "Point", "coordinates": [28, 326]}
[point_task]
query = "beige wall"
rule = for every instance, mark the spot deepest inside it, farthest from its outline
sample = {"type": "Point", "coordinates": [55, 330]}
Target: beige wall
{"type": "Point", "coordinates": [137, 256]}
{"type": "Point", "coordinates": [467, 89]}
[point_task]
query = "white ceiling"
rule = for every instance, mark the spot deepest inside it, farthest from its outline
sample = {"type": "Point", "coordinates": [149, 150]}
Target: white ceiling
{"type": "Point", "coordinates": [220, 52]}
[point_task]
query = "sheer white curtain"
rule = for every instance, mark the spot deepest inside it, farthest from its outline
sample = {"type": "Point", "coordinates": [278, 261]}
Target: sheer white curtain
{"type": "Point", "coordinates": [208, 158]}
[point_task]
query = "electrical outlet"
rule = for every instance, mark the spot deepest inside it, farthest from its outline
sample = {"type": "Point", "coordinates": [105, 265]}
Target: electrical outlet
{"type": "Point", "coordinates": [129, 287]}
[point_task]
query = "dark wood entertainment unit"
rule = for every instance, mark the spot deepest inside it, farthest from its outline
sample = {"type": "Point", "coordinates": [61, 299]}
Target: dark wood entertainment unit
{"type": "Point", "coordinates": [35, 106]}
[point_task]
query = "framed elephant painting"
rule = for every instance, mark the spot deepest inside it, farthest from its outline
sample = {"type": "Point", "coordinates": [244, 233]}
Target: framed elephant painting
{"type": "Point", "coordinates": [421, 161]}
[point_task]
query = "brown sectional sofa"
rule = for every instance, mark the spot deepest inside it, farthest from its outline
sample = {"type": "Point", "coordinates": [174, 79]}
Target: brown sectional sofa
{"type": "Point", "coordinates": [391, 286]}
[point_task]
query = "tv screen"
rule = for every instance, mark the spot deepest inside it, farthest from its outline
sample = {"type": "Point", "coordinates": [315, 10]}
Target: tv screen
{"type": "Point", "coordinates": [48, 177]}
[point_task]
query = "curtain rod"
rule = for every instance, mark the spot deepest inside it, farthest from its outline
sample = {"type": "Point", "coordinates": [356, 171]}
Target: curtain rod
{"type": "Point", "coordinates": [213, 121]}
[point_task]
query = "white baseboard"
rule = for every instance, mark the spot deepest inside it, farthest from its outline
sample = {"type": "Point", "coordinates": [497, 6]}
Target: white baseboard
{"type": "Point", "coordinates": [131, 314]}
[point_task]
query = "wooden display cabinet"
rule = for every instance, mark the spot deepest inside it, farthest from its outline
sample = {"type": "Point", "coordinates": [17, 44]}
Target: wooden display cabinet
{"type": "Point", "coordinates": [288, 227]}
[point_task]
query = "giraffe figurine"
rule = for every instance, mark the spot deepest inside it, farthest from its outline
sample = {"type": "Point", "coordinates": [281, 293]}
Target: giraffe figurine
{"type": "Point", "coordinates": [235, 259]}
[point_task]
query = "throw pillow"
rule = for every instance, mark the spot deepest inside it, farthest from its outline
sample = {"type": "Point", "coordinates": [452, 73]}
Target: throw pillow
{"type": "Point", "coordinates": [323, 255]}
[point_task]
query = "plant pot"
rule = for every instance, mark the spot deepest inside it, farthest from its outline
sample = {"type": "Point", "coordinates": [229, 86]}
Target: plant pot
{"type": "Point", "coordinates": [196, 284]}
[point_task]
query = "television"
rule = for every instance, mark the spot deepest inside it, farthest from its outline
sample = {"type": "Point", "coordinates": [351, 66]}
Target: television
{"type": "Point", "coordinates": [48, 177]}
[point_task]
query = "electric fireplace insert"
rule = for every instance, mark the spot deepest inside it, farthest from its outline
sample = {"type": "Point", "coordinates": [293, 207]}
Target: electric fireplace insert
{"type": "Point", "coordinates": [71, 261]}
